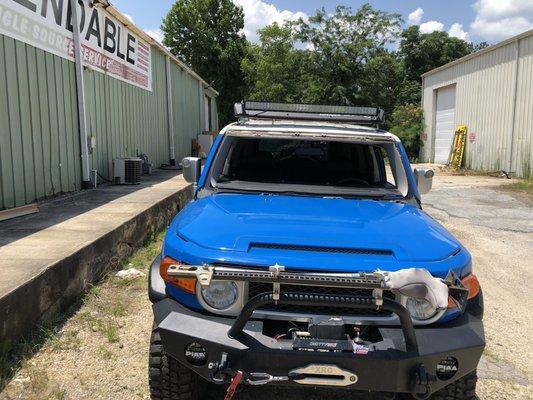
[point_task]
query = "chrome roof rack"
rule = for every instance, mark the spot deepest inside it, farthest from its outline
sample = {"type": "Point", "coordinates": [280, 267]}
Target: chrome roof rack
{"type": "Point", "coordinates": [309, 112]}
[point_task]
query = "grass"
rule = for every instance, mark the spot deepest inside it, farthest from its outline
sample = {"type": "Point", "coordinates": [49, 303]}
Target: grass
{"type": "Point", "coordinates": [105, 353]}
{"type": "Point", "coordinates": [14, 355]}
{"type": "Point", "coordinates": [97, 313]}
{"type": "Point", "coordinates": [522, 186]}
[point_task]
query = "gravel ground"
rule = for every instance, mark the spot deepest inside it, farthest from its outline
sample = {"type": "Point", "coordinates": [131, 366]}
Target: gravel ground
{"type": "Point", "coordinates": [100, 351]}
{"type": "Point", "coordinates": [496, 225]}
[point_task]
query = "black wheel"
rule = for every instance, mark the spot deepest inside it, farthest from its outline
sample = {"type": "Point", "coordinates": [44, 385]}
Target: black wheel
{"type": "Point", "coordinates": [169, 380]}
{"type": "Point", "coordinates": [461, 389]}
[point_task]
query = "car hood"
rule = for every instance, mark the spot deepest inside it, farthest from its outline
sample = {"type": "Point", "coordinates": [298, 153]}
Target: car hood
{"type": "Point", "coordinates": [313, 232]}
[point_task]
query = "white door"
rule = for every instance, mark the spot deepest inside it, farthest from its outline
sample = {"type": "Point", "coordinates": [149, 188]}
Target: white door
{"type": "Point", "coordinates": [444, 123]}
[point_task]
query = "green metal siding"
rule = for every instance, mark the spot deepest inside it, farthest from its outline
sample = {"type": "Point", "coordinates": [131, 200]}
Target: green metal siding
{"type": "Point", "coordinates": [187, 114]}
{"type": "Point", "coordinates": [39, 141]}
{"type": "Point", "coordinates": [39, 131]}
{"type": "Point", "coordinates": [126, 119]}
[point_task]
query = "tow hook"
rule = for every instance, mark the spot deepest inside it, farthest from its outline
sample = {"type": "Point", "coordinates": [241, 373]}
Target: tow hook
{"type": "Point", "coordinates": [421, 386]}
{"type": "Point", "coordinates": [260, 378]}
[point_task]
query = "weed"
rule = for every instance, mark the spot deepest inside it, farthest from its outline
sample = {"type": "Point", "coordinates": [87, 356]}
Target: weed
{"type": "Point", "coordinates": [39, 380]}
{"type": "Point", "coordinates": [49, 336]}
{"type": "Point", "coordinates": [94, 291]}
{"type": "Point", "coordinates": [105, 353]}
{"type": "Point", "coordinates": [5, 365]}
{"type": "Point", "coordinates": [14, 356]}
{"type": "Point", "coordinates": [525, 185]}
{"type": "Point", "coordinates": [118, 310]}
{"type": "Point", "coordinates": [60, 394]}
{"type": "Point", "coordinates": [100, 310]}
{"type": "Point", "coordinates": [110, 330]}
{"type": "Point", "coordinates": [86, 316]}
{"type": "Point", "coordinates": [69, 340]}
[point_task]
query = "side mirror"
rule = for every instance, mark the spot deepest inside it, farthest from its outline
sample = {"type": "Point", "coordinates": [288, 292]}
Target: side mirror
{"type": "Point", "coordinates": [424, 179]}
{"type": "Point", "coordinates": [192, 168]}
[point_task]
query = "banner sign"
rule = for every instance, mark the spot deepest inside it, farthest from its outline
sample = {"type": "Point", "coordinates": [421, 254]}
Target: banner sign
{"type": "Point", "coordinates": [107, 45]}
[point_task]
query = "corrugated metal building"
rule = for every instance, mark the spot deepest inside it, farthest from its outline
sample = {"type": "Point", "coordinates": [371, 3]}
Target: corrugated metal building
{"type": "Point", "coordinates": [491, 92]}
{"type": "Point", "coordinates": [40, 152]}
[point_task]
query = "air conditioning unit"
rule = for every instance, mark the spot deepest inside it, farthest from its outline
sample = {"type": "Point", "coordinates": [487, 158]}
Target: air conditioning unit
{"type": "Point", "coordinates": [127, 171]}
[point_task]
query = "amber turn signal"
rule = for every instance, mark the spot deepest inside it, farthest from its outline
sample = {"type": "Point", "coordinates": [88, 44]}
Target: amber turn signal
{"type": "Point", "coordinates": [472, 284]}
{"type": "Point", "coordinates": [186, 284]}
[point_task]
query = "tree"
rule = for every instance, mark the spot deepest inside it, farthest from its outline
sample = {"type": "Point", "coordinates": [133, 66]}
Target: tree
{"type": "Point", "coordinates": [422, 52]}
{"type": "Point", "coordinates": [274, 69]}
{"type": "Point", "coordinates": [342, 44]}
{"type": "Point", "coordinates": [206, 34]}
{"type": "Point", "coordinates": [408, 124]}
{"type": "Point", "coordinates": [379, 86]}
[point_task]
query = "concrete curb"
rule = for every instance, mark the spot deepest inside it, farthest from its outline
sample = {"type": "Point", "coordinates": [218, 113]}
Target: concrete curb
{"type": "Point", "coordinates": [60, 284]}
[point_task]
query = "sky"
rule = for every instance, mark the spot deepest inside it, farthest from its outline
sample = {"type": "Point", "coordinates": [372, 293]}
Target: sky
{"type": "Point", "coordinates": [471, 20]}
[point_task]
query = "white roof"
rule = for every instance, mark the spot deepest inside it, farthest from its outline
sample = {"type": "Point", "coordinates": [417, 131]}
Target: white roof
{"type": "Point", "coordinates": [306, 128]}
{"type": "Point", "coordinates": [479, 52]}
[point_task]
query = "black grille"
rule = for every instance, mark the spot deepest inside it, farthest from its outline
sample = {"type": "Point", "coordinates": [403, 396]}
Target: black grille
{"type": "Point", "coordinates": [256, 288]}
{"type": "Point", "coordinates": [133, 171]}
{"type": "Point", "coordinates": [322, 249]}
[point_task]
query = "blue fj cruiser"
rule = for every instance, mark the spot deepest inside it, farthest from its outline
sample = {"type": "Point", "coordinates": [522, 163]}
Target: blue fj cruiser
{"type": "Point", "coordinates": [305, 259]}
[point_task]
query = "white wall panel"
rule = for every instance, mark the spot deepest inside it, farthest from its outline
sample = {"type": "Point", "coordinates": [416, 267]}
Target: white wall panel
{"type": "Point", "coordinates": [494, 99]}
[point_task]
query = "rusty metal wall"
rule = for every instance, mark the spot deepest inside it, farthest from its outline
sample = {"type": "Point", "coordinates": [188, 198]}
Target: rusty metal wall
{"type": "Point", "coordinates": [494, 100]}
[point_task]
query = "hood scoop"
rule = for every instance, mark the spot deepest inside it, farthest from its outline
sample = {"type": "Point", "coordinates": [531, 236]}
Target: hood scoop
{"type": "Point", "coordinates": [321, 249]}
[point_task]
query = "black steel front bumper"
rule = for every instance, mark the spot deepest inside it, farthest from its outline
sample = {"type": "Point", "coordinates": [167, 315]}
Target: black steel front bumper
{"type": "Point", "coordinates": [390, 365]}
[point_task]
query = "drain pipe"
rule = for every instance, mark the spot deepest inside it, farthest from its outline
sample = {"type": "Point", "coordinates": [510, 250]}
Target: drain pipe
{"type": "Point", "coordinates": [172, 151]}
{"type": "Point", "coordinates": [78, 61]}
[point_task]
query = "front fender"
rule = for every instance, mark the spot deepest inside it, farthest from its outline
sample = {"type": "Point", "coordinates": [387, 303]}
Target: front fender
{"type": "Point", "coordinates": [156, 285]}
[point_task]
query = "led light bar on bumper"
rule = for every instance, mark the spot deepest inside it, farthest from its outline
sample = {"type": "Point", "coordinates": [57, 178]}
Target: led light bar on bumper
{"type": "Point", "coordinates": [222, 289]}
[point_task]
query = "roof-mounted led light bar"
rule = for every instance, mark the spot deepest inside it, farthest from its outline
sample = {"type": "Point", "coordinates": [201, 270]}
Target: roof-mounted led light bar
{"type": "Point", "coordinates": [309, 112]}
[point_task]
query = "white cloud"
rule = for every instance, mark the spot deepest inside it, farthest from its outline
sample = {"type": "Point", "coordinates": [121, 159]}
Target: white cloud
{"type": "Point", "coordinates": [129, 17]}
{"type": "Point", "coordinates": [498, 9]}
{"type": "Point", "coordinates": [415, 17]}
{"type": "Point", "coordinates": [456, 30]}
{"type": "Point", "coordinates": [157, 34]}
{"type": "Point", "coordinates": [431, 26]}
{"type": "Point", "coordinates": [258, 14]}
{"type": "Point", "coordinates": [497, 20]}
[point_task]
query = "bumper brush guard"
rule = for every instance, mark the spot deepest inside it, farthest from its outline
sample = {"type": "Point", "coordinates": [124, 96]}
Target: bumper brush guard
{"type": "Point", "coordinates": [415, 282]}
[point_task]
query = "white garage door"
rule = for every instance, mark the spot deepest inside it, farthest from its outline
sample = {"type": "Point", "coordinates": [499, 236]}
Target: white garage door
{"type": "Point", "coordinates": [444, 123]}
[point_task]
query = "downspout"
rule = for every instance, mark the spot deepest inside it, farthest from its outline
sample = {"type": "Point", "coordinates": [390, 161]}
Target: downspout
{"type": "Point", "coordinates": [172, 150]}
{"type": "Point", "coordinates": [201, 106]}
{"type": "Point", "coordinates": [515, 96]}
{"type": "Point", "coordinates": [82, 120]}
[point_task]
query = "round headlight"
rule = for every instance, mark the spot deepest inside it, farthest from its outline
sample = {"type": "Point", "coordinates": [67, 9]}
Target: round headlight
{"type": "Point", "coordinates": [420, 309]}
{"type": "Point", "coordinates": [220, 294]}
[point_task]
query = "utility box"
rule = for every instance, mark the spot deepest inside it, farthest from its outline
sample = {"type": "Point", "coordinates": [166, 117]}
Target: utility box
{"type": "Point", "coordinates": [127, 171]}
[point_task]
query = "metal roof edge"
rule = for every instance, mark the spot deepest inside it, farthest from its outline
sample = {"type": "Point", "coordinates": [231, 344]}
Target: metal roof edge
{"type": "Point", "coordinates": [130, 25]}
{"type": "Point", "coordinates": [479, 53]}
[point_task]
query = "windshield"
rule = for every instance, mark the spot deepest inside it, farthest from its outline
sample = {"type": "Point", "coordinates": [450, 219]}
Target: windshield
{"type": "Point", "coordinates": [306, 166]}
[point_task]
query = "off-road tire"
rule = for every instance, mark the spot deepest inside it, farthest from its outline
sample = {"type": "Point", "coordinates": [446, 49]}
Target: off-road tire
{"type": "Point", "coordinates": [461, 389]}
{"type": "Point", "coordinates": [169, 380]}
